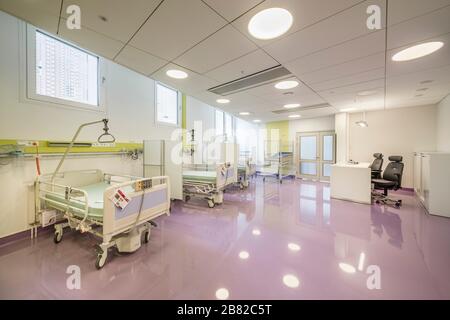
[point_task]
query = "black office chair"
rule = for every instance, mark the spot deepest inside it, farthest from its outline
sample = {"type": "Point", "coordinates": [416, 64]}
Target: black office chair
{"type": "Point", "coordinates": [377, 165]}
{"type": "Point", "coordinates": [392, 180]}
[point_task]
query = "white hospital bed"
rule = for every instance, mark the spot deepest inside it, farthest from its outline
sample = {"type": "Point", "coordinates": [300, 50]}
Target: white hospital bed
{"type": "Point", "coordinates": [279, 165]}
{"type": "Point", "coordinates": [85, 199]}
{"type": "Point", "coordinates": [202, 181]}
{"type": "Point", "coordinates": [246, 170]}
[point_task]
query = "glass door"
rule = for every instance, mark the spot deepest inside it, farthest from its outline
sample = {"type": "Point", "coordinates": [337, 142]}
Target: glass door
{"type": "Point", "coordinates": [315, 155]}
{"type": "Point", "coordinates": [308, 155]}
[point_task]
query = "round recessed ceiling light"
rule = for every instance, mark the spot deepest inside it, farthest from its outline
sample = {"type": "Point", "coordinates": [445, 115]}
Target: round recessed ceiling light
{"type": "Point", "coordinates": [291, 105]}
{"type": "Point", "coordinates": [284, 85]}
{"type": "Point", "coordinates": [244, 255]}
{"type": "Point", "coordinates": [256, 232]}
{"type": "Point", "coordinates": [257, 120]}
{"type": "Point", "coordinates": [294, 116]}
{"type": "Point", "coordinates": [291, 281]}
{"type": "Point", "coordinates": [294, 247]}
{"type": "Point", "coordinates": [222, 294]}
{"type": "Point", "coordinates": [366, 93]}
{"type": "Point", "coordinates": [222, 101]}
{"type": "Point", "coordinates": [347, 109]}
{"type": "Point", "coordinates": [245, 113]}
{"type": "Point", "coordinates": [417, 51]}
{"type": "Point", "coordinates": [177, 74]}
{"type": "Point", "coordinates": [347, 268]}
{"type": "Point", "coordinates": [270, 23]}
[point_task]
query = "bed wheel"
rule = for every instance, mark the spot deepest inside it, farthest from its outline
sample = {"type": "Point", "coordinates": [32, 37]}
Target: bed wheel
{"type": "Point", "coordinates": [57, 237]}
{"type": "Point", "coordinates": [187, 198]}
{"type": "Point", "coordinates": [211, 203]}
{"type": "Point", "coordinates": [147, 236]}
{"type": "Point", "coordinates": [101, 259]}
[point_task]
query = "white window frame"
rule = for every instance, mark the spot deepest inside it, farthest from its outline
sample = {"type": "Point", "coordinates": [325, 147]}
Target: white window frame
{"type": "Point", "coordinates": [31, 75]}
{"type": "Point", "coordinates": [179, 107]}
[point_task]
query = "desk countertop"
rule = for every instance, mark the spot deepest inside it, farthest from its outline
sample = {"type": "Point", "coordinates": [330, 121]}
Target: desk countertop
{"type": "Point", "coordinates": [350, 165]}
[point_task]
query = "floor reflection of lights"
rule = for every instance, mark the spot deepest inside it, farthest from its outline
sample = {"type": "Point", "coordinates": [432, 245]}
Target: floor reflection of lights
{"type": "Point", "coordinates": [347, 268]}
{"type": "Point", "coordinates": [222, 294]}
{"type": "Point", "coordinates": [291, 281]}
{"type": "Point", "coordinates": [244, 255]}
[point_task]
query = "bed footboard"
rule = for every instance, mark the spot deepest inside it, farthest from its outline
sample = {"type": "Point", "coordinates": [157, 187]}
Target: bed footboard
{"type": "Point", "coordinates": [148, 199]}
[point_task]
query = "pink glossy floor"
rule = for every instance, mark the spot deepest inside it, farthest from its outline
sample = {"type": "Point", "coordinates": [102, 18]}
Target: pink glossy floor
{"type": "Point", "coordinates": [290, 229]}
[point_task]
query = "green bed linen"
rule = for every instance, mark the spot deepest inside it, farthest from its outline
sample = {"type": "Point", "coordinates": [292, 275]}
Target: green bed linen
{"type": "Point", "coordinates": [95, 199]}
{"type": "Point", "coordinates": [200, 176]}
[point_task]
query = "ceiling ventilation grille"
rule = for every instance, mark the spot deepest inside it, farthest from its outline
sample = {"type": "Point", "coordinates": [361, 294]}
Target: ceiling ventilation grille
{"type": "Point", "coordinates": [311, 107]}
{"type": "Point", "coordinates": [251, 81]}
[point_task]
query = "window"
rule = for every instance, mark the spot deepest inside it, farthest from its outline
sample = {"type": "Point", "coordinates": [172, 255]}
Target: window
{"type": "Point", "coordinates": [61, 73]}
{"type": "Point", "coordinates": [166, 105]}
{"type": "Point", "coordinates": [229, 126]}
{"type": "Point", "coordinates": [219, 123]}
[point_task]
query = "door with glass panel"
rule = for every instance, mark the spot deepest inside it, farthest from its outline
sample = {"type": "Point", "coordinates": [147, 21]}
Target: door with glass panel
{"type": "Point", "coordinates": [315, 155]}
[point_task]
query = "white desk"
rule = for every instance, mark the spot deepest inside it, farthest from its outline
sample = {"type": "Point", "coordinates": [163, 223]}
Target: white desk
{"type": "Point", "coordinates": [351, 182]}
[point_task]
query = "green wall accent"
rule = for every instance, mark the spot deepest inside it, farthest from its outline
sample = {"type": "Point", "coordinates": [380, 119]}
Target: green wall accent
{"type": "Point", "coordinates": [44, 148]}
{"type": "Point", "coordinates": [283, 132]}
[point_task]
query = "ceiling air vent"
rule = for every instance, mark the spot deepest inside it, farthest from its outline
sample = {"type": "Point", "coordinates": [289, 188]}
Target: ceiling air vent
{"type": "Point", "coordinates": [251, 81]}
{"type": "Point", "coordinates": [311, 107]}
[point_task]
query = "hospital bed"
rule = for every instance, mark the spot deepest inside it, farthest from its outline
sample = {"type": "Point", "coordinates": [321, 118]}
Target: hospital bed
{"type": "Point", "coordinates": [246, 169]}
{"type": "Point", "coordinates": [279, 165]}
{"type": "Point", "coordinates": [117, 208]}
{"type": "Point", "coordinates": [208, 183]}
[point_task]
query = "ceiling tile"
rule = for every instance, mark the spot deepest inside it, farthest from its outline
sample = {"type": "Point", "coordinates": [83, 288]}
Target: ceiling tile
{"type": "Point", "coordinates": [246, 65]}
{"type": "Point", "coordinates": [40, 13]}
{"type": "Point", "coordinates": [345, 52]}
{"type": "Point", "coordinates": [419, 29]}
{"type": "Point", "coordinates": [224, 46]}
{"type": "Point", "coordinates": [191, 85]}
{"type": "Point", "coordinates": [175, 27]}
{"type": "Point", "coordinates": [362, 77]}
{"type": "Point", "coordinates": [304, 12]}
{"type": "Point", "coordinates": [139, 60]}
{"type": "Point", "coordinates": [345, 26]}
{"type": "Point", "coordinates": [91, 40]}
{"type": "Point", "coordinates": [401, 10]}
{"type": "Point", "coordinates": [123, 19]}
{"type": "Point", "coordinates": [357, 66]}
{"type": "Point", "coordinates": [231, 9]}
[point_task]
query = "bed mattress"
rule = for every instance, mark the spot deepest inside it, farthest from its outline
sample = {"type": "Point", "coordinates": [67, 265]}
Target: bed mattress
{"type": "Point", "coordinates": [200, 176]}
{"type": "Point", "coordinates": [95, 200]}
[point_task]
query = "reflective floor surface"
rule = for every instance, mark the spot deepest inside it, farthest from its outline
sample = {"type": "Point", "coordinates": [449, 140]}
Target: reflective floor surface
{"type": "Point", "coordinates": [271, 241]}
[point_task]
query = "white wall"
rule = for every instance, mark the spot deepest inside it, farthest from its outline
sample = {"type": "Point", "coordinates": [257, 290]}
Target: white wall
{"type": "Point", "coordinates": [309, 125]}
{"type": "Point", "coordinates": [443, 125]}
{"type": "Point", "coordinates": [199, 111]}
{"type": "Point", "coordinates": [341, 128]}
{"type": "Point", "coordinates": [394, 132]}
{"type": "Point", "coordinates": [130, 108]}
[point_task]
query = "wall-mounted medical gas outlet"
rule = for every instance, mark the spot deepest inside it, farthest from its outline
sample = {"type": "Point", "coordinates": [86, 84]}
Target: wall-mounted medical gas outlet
{"type": "Point", "coordinates": [104, 145]}
{"type": "Point", "coordinates": [28, 143]}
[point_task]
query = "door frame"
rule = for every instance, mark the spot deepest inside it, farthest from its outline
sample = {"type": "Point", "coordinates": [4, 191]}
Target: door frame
{"type": "Point", "coordinates": [319, 154]}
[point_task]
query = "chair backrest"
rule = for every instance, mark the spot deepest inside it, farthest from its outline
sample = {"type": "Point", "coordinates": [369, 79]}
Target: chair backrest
{"type": "Point", "coordinates": [394, 170]}
{"type": "Point", "coordinates": [377, 163]}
